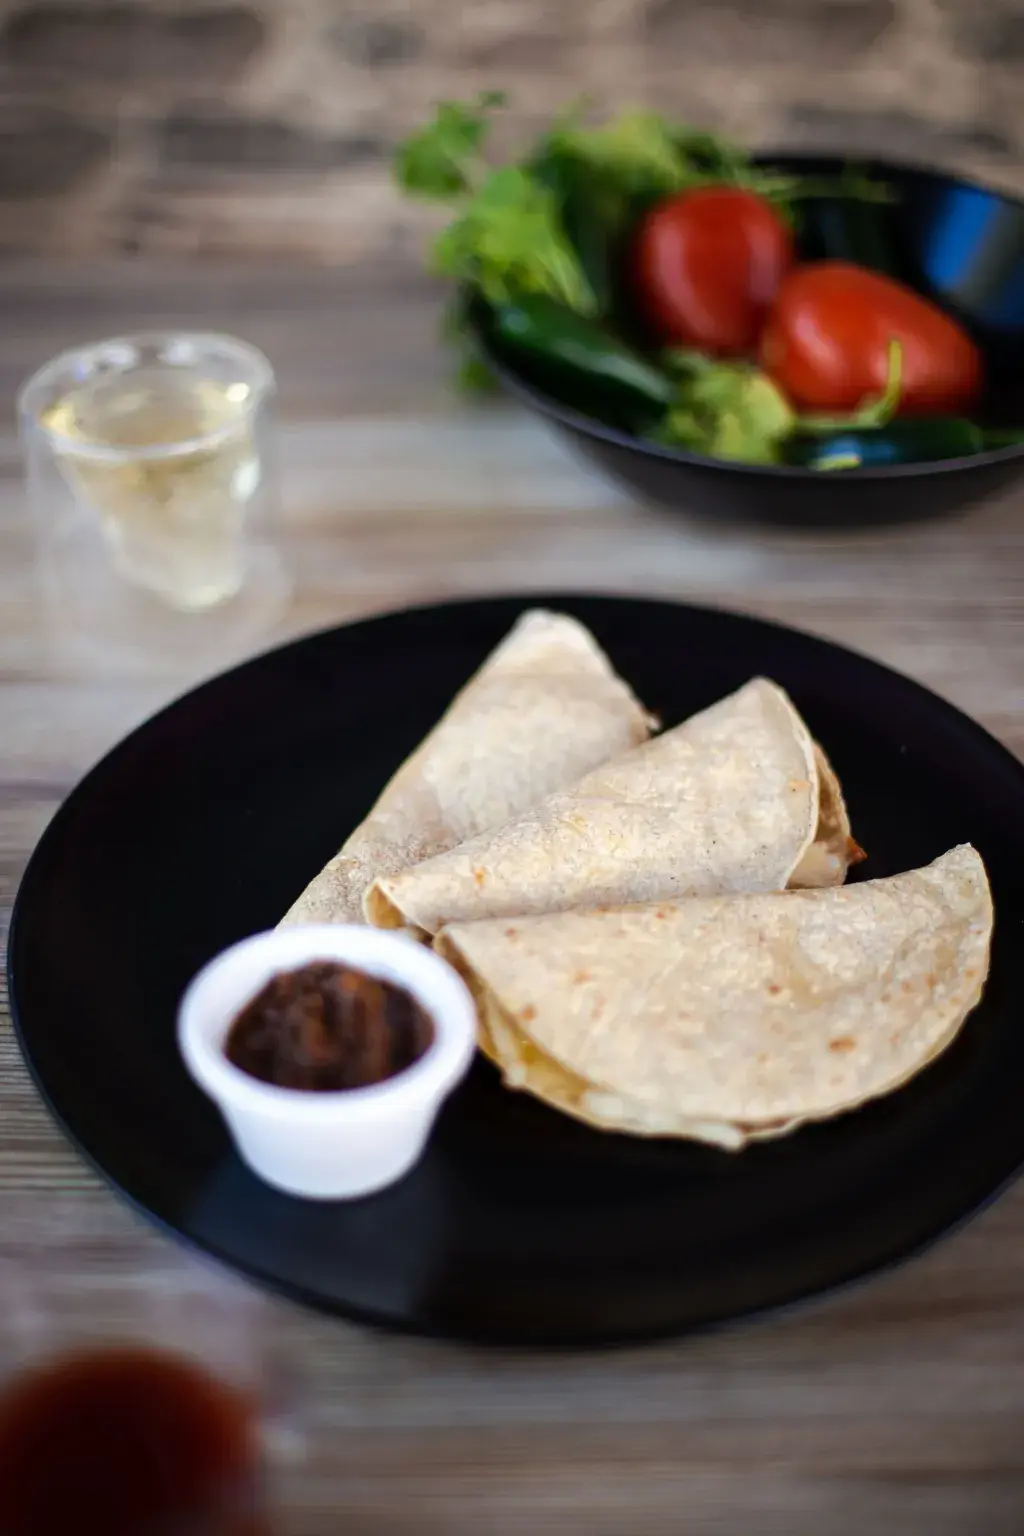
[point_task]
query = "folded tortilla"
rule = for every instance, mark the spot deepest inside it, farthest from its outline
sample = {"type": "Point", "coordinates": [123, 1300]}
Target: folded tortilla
{"type": "Point", "coordinates": [737, 1017]}
{"type": "Point", "coordinates": [737, 798]}
{"type": "Point", "coordinates": [543, 709]}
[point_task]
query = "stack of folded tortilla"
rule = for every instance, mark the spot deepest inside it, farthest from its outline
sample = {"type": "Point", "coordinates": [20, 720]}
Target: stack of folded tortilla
{"type": "Point", "coordinates": [656, 931]}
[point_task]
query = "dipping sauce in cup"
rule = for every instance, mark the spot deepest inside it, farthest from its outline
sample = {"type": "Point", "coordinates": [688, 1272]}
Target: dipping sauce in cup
{"type": "Point", "coordinates": [329, 1050]}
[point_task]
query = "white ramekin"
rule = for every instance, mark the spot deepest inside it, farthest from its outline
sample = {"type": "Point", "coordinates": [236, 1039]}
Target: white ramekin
{"type": "Point", "coordinates": [328, 1146]}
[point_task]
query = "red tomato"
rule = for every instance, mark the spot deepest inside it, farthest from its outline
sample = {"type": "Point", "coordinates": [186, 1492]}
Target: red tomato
{"type": "Point", "coordinates": [826, 343]}
{"type": "Point", "coordinates": [708, 264]}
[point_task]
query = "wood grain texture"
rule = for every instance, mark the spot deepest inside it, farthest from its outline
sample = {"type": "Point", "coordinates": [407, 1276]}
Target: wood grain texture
{"type": "Point", "coordinates": [233, 127]}
{"type": "Point", "coordinates": [897, 1407]}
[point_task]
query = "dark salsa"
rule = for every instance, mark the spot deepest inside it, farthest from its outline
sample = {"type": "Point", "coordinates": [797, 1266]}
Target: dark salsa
{"type": "Point", "coordinates": [325, 1028]}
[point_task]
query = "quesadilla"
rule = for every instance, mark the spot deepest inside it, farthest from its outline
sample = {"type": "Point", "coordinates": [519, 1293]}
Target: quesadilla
{"type": "Point", "coordinates": [544, 708]}
{"type": "Point", "coordinates": [736, 1017]}
{"type": "Point", "coordinates": [737, 798]}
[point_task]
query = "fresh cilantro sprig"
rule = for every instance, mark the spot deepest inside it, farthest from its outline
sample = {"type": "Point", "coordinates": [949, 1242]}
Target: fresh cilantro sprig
{"type": "Point", "coordinates": [508, 240]}
{"type": "Point", "coordinates": [646, 156]}
{"type": "Point", "coordinates": [636, 150]}
{"type": "Point", "coordinates": [506, 237]}
{"type": "Point", "coordinates": [445, 158]}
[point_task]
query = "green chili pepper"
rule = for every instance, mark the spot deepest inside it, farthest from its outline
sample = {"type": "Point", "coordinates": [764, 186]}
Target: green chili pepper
{"type": "Point", "coordinates": [907, 441]}
{"type": "Point", "coordinates": [550, 333]}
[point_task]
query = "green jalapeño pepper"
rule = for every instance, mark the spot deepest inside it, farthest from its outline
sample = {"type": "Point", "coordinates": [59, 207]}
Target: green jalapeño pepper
{"type": "Point", "coordinates": [906, 441]}
{"type": "Point", "coordinates": [553, 334]}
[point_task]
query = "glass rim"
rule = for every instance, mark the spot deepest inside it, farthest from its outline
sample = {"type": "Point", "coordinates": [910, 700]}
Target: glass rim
{"type": "Point", "coordinates": [33, 392]}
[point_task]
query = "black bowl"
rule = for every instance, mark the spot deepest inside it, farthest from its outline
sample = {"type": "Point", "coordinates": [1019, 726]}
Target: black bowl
{"type": "Point", "coordinates": [958, 243]}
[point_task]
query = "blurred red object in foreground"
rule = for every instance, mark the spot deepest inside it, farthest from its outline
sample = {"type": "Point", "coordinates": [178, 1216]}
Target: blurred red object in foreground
{"type": "Point", "coordinates": [128, 1442]}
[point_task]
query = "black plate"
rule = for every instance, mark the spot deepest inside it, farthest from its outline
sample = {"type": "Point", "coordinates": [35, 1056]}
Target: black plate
{"type": "Point", "coordinates": [519, 1225]}
{"type": "Point", "coordinates": [953, 240]}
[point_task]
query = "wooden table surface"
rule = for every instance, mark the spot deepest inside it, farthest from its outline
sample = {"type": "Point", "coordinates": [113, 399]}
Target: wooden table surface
{"type": "Point", "coordinates": [895, 1408]}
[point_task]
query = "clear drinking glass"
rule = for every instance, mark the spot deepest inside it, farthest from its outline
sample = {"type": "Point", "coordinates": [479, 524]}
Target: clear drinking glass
{"type": "Point", "coordinates": [151, 476]}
